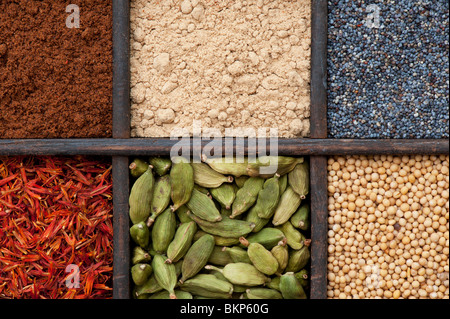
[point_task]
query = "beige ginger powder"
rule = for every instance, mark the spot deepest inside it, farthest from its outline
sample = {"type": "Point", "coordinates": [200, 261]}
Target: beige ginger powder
{"type": "Point", "coordinates": [228, 64]}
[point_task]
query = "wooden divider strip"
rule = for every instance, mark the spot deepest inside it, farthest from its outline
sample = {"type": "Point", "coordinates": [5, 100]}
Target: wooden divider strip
{"type": "Point", "coordinates": [121, 130]}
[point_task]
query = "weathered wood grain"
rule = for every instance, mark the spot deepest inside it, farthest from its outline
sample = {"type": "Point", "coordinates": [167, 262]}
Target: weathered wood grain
{"type": "Point", "coordinates": [319, 36]}
{"type": "Point", "coordinates": [121, 227]}
{"type": "Point", "coordinates": [163, 146]}
{"type": "Point", "coordinates": [121, 69]}
{"type": "Point", "coordinates": [121, 129]}
{"type": "Point", "coordinates": [319, 227]}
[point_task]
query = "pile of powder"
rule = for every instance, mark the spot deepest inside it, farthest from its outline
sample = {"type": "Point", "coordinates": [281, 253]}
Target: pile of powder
{"type": "Point", "coordinates": [55, 81]}
{"type": "Point", "coordinates": [228, 64]}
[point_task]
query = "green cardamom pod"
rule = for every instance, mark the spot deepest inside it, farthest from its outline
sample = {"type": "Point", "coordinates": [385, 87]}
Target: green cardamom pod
{"type": "Point", "coordinates": [295, 239]}
{"type": "Point", "coordinates": [242, 274]}
{"type": "Point", "coordinates": [236, 166]}
{"type": "Point", "coordinates": [283, 181]}
{"type": "Point", "coordinates": [268, 166]}
{"type": "Point", "coordinates": [138, 167]}
{"type": "Point", "coordinates": [151, 286]}
{"type": "Point", "coordinates": [224, 194]}
{"type": "Point", "coordinates": [252, 217]}
{"type": "Point", "coordinates": [219, 240]}
{"type": "Point", "coordinates": [165, 274]}
{"type": "Point", "coordinates": [217, 274]}
{"type": "Point", "coordinates": [163, 231]}
{"type": "Point", "coordinates": [181, 242]}
{"type": "Point", "coordinates": [208, 285]}
{"type": "Point", "coordinates": [246, 196]}
{"type": "Point", "coordinates": [140, 234]}
{"type": "Point", "coordinates": [299, 179]}
{"type": "Point", "coordinates": [219, 257]}
{"type": "Point", "coordinates": [161, 198]}
{"type": "Point", "coordinates": [140, 198]}
{"type": "Point", "coordinates": [290, 287]}
{"type": "Point", "coordinates": [206, 177]}
{"type": "Point", "coordinates": [166, 295]}
{"type": "Point", "coordinates": [203, 207]}
{"type": "Point", "coordinates": [239, 288]}
{"type": "Point", "coordinates": [287, 206]}
{"type": "Point", "coordinates": [268, 237]}
{"type": "Point", "coordinates": [182, 214]}
{"type": "Point", "coordinates": [261, 258]}
{"type": "Point", "coordinates": [263, 293]}
{"type": "Point", "coordinates": [227, 227]}
{"type": "Point", "coordinates": [300, 219]}
{"type": "Point", "coordinates": [237, 254]}
{"type": "Point", "coordinates": [268, 198]}
{"type": "Point", "coordinates": [303, 277]}
{"type": "Point", "coordinates": [182, 182]}
{"type": "Point", "coordinates": [281, 254]}
{"type": "Point", "coordinates": [140, 255]}
{"type": "Point", "coordinates": [196, 257]}
{"type": "Point", "coordinates": [160, 165]}
{"type": "Point", "coordinates": [298, 259]}
{"type": "Point", "coordinates": [140, 273]}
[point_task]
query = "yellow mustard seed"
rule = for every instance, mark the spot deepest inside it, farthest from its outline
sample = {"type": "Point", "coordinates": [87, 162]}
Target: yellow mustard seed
{"type": "Point", "coordinates": [392, 213]}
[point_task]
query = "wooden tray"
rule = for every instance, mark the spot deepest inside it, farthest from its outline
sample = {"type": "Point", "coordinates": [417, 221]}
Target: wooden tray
{"type": "Point", "coordinates": [121, 148]}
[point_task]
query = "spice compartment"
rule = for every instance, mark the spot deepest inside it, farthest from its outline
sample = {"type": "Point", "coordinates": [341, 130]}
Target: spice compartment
{"type": "Point", "coordinates": [56, 69]}
{"type": "Point", "coordinates": [234, 67]}
{"type": "Point", "coordinates": [388, 216]}
{"type": "Point", "coordinates": [388, 69]}
{"type": "Point", "coordinates": [214, 194]}
{"type": "Point", "coordinates": [56, 239]}
{"type": "Point", "coordinates": [121, 147]}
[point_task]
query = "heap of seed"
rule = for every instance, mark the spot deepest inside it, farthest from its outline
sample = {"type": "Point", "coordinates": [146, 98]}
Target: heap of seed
{"type": "Point", "coordinates": [391, 81]}
{"type": "Point", "coordinates": [388, 223]}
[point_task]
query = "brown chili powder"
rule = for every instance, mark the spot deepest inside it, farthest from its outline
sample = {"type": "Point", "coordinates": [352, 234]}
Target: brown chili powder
{"type": "Point", "coordinates": [55, 81]}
